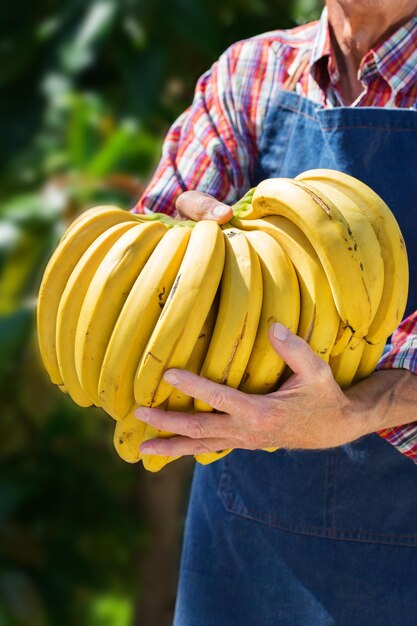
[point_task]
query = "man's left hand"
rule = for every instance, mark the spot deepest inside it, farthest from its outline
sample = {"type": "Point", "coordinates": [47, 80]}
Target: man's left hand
{"type": "Point", "coordinates": [309, 411]}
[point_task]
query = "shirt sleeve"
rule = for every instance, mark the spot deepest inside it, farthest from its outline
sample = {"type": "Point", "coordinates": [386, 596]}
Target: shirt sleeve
{"type": "Point", "coordinates": [212, 146]}
{"type": "Point", "coordinates": [403, 355]}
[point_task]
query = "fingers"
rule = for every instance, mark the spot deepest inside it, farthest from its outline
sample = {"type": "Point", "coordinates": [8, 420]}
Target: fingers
{"type": "Point", "coordinates": [297, 354]}
{"type": "Point", "coordinates": [220, 397]}
{"type": "Point", "coordinates": [180, 446]}
{"type": "Point", "coordinates": [196, 205]}
{"type": "Point", "coordinates": [195, 426]}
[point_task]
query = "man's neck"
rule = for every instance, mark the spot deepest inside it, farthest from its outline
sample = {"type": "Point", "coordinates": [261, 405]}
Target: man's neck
{"type": "Point", "coordinates": [356, 27]}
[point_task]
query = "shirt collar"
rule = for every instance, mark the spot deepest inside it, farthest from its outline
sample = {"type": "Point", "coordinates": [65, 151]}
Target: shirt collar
{"type": "Point", "coordinates": [395, 59]}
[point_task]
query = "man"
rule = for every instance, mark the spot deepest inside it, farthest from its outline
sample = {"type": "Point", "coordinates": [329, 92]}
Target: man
{"type": "Point", "coordinates": [323, 531]}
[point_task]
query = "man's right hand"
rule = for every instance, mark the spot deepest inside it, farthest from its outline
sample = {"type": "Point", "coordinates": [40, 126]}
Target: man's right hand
{"type": "Point", "coordinates": [196, 205]}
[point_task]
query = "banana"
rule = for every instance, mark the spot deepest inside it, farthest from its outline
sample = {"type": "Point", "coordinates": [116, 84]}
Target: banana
{"type": "Point", "coordinates": [365, 237]}
{"type": "Point", "coordinates": [281, 302]}
{"type": "Point", "coordinates": [319, 319]}
{"type": "Point", "coordinates": [128, 435]}
{"type": "Point", "coordinates": [70, 307]}
{"type": "Point", "coordinates": [137, 320]}
{"type": "Point", "coordinates": [344, 365]}
{"type": "Point", "coordinates": [91, 214]}
{"type": "Point", "coordinates": [155, 462]}
{"type": "Point", "coordinates": [205, 458]}
{"type": "Point", "coordinates": [344, 335]}
{"type": "Point", "coordinates": [333, 241]}
{"type": "Point", "coordinates": [72, 246]}
{"type": "Point", "coordinates": [177, 400]}
{"type": "Point", "coordinates": [370, 358]}
{"type": "Point", "coordinates": [179, 325]}
{"type": "Point", "coordinates": [394, 254]}
{"type": "Point", "coordinates": [238, 315]}
{"type": "Point", "coordinates": [237, 321]}
{"type": "Point", "coordinates": [105, 298]}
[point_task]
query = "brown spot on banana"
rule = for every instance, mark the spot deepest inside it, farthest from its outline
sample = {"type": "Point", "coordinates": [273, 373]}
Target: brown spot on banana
{"type": "Point", "coordinates": [225, 373]}
{"type": "Point", "coordinates": [316, 199]}
{"type": "Point", "coordinates": [311, 327]}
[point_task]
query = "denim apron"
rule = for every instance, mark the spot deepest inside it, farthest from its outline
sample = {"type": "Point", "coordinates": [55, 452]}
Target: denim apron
{"type": "Point", "coordinates": [326, 537]}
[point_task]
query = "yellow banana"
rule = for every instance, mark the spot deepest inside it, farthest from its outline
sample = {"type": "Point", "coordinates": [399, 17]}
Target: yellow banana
{"type": "Point", "coordinates": [177, 400]}
{"type": "Point", "coordinates": [237, 321]}
{"type": "Point", "coordinates": [319, 319]}
{"type": "Point", "coordinates": [137, 320]}
{"type": "Point", "coordinates": [70, 306]}
{"type": "Point", "coordinates": [155, 462]}
{"type": "Point", "coordinates": [179, 325]}
{"type": "Point", "coordinates": [364, 235]}
{"type": "Point", "coordinates": [105, 298]}
{"type": "Point", "coordinates": [394, 254]}
{"type": "Point", "coordinates": [370, 358]}
{"type": "Point", "coordinates": [72, 246]}
{"type": "Point", "coordinates": [281, 302]}
{"type": "Point", "coordinates": [128, 435]}
{"type": "Point", "coordinates": [344, 335]}
{"type": "Point", "coordinates": [345, 364]}
{"type": "Point", "coordinates": [238, 315]}
{"type": "Point", "coordinates": [333, 241]}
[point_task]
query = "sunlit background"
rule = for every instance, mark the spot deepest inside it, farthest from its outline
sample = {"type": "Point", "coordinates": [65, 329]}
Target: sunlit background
{"type": "Point", "coordinates": [87, 92]}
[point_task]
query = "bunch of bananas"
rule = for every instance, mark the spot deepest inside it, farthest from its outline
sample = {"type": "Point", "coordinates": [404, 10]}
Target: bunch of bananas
{"type": "Point", "coordinates": [125, 297]}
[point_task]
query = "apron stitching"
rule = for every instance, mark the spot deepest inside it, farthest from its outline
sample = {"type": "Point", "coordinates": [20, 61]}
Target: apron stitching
{"type": "Point", "coordinates": [287, 107]}
{"type": "Point", "coordinates": [225, 492]}
{"type": "Point", "coordinates": [355, 127]}
{"type": "Point", "coordinates": [326, 483]}
{"type": "Point", "coordinates": [361, 536]}
{"type": "Point", "coordinates": [334, 491]}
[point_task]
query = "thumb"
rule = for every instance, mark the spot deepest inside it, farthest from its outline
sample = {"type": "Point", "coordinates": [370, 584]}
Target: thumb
{"type": "Point", "coordinates": [196, 205]}
{"type": "Point", "coordinates": [296, 353]}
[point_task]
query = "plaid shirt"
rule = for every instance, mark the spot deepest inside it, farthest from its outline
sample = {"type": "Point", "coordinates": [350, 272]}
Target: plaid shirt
{"type": "Point", "coordinates": [213, 145]}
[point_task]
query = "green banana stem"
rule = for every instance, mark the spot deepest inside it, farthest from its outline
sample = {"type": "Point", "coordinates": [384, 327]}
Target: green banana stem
{"type": "Point", "coordinates": [243, 208]}
{"type": "Point", "coordinates": [169, 221]}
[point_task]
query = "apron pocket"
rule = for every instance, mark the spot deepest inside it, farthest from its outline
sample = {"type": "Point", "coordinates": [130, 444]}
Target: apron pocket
{"type": "Point", "coordinates": [359, 492]}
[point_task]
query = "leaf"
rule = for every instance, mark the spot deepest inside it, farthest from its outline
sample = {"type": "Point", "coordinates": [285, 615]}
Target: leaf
{"type": "Point", "coordinates": [79, 54]}
{"type": "Point", "coordinates": [32, 209]}
{"type": "Point", "coordinates": [87, 117]}
{"type": "Point", "coordinates": [111, 611]}
{"type": "Point", "coordinates": [304, 11]}
{"type": "Point", "coordinates": [17, 270]}
{"type": "Point", "coordinates": [116, 148]}
{"type": "Point", "coordinates": [9, 236]}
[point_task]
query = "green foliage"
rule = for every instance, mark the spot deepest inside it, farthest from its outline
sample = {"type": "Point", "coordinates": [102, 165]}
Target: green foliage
{"type": "Point", "coordinates": [87, 90]}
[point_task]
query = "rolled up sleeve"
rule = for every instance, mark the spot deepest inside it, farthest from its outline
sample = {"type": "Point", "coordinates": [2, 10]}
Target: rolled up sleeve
{"type": "Point", "coordinates": [403, 355]}
{"type": "Point", "coordinates": [211, 147]}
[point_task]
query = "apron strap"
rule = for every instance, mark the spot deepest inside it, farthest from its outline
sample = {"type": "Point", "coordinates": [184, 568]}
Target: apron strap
{"type": "Point", "coordinates": [292, 80]}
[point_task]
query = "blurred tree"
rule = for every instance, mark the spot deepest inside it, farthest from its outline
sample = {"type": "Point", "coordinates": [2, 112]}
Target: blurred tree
{"type": "Point", "coordinates": [87, 90]}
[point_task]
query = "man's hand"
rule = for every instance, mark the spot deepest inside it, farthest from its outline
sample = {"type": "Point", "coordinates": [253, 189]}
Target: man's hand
{"type": "Point", "coordinates": [309, 411]}
{"type": "Point", "coordinates": [195, 205]}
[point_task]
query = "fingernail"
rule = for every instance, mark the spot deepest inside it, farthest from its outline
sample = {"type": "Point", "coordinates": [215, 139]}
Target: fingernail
{"type": "Point", "coordinates": [147, 449]}
{"type": "Point", "coordinates": [219, 211]}
{"type": "Point", "coordinates": [280, 332]}
{"type": "Point", "coordinates": [171, 378]}
{"type": "Point", "coordinates": [142, 414]}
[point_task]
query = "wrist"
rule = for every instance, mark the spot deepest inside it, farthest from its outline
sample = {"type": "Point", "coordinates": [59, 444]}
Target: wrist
{"type": "Point", "coordinates": [383, 400]}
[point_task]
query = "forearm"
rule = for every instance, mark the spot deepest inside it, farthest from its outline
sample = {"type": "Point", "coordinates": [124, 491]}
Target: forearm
{"type": "Point", "coordinates": [386, 399]}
